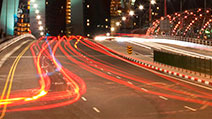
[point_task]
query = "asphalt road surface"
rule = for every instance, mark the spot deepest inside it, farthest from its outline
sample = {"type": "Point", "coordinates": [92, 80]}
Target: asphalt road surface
{"type": "Point", "coordinates": [76, 79]}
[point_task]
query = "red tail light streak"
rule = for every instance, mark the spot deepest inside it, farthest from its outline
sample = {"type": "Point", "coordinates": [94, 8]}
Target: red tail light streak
{"type": "Point", "coordinates": [51, 70]}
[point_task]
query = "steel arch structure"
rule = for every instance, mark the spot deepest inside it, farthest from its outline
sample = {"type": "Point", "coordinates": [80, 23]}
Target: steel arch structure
{"type": "Point", "coordinates": [190, 23]}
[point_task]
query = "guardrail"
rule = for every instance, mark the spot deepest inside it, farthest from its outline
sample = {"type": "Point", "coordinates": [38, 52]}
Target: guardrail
{"type": "Point", "coordinates": [13, 40]}
{"type": "Point", "coordinates": [187, 39]}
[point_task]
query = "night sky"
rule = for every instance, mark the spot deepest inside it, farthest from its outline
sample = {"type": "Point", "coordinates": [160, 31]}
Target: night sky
{"type": "Point", "coordinates": [174, 5]}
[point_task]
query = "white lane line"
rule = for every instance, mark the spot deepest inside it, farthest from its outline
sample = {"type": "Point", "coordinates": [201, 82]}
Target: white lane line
{"type": "Point", "coordinates": [129, 82]}
{"type": "Point", "coordinates": [118, 77]}
{"type": "Point", "coordinates": [192, 109]}
{"type": "Point", "coordinates": [95, 109]}
{"type": "Point", "coordinates": [102, 69]}
{"type": "Point", "coordinates": [144, 89]}
{"type": "Point", "coordinates": [164, 98]}
{"type": "Point", "coordinates": [10, 53]}
{"type": "Point", "coordinates": [84, 99]}
{"type": "Point", "coordinates": [108, 72]}
{"type": "Point", "coordinates": [59, 83]}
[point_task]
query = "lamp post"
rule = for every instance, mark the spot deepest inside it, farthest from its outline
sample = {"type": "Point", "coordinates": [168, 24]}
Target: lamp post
{"type": "Point", "coordinates": [132, 13]}
{"type": "Point", "coordinates": [141, 7]}
{"type": "Point", "coordinates": [152, 2]}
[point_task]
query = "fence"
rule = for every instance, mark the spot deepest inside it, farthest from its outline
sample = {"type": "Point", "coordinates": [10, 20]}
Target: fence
{"type": "Point", "coordinates": [201, 65]}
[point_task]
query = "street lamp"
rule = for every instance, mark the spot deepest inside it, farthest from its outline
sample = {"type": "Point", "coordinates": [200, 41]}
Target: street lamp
{"type": "Point", "coordinates": [118, 24]}
{"type": "Point", "coordinates": [152, 2]}
{"type": "Point", "coordinates": [141, 7]}
{"type": "Point", "coordinates": [124, 18]}
{"type": "Point", "coordinates": [131, 13]}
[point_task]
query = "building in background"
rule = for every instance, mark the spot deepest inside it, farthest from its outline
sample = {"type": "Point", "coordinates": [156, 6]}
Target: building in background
{"type": "Point", "coordinates": [115, 13]}
{"type": "Point", "coordinates": [68, 18]}
{"type": "Point", "coordinates": [22, 19]}
{"type": "Point", "coordinates": [37, 17]}
{"type": "Point", "coordinates": [56, 17]}
{"type": "Point", "coordinates": [8, 12]}
{"type": "Point", "coordinates": [96, 17]}
{"type": "Point", "coordinates": [90, 18]}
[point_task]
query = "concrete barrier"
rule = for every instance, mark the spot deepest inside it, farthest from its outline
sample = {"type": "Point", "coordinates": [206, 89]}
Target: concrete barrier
{"type": "Point", "coordinates": [14, 40]}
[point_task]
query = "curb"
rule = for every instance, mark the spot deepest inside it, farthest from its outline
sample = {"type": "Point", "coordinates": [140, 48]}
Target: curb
{"type": "Point", "coordinates": [179, 75]}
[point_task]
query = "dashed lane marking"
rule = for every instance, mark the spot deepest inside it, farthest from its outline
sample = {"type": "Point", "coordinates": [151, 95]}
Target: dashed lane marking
{"type": "Point", "coordinates": [144, 89]}
{"type": "Point", "coordinates": [192, 109]}
{"type": "Point", "coordinates": [84, 99]}
{"type": "Point", "coordinates": [164, 98]}
{"type": "Point", "coordinates": [95, 109]}
{"type": "Point", "coordinates": [129, 82]}
{"type": "Point", "coordinates": [108, 72]}
{"type": "Point", "coordinates": [118, 77]}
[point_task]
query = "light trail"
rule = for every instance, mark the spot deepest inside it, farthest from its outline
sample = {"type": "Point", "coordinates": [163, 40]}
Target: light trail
{"type": "Point", "coordinates": [74, 48]}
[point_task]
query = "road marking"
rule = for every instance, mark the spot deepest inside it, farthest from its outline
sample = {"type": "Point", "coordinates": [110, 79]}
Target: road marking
{"type": "Point", "coordinates": [118, 77]}
{"type": "Point", "coordinates": [59, 83]}
{"type": "Point", "coordinates": [10, 53]}
{"type": "Point", "coordinates": [129, 82]}
{"type": "Point", "coordinates": [192, 109]}
{"type": "Point", "coordinates": [8, 84]}
{"type": "Point", "coordinates": [83, 98]}
{"type": "Point", "coordinates": [102, 69]}
{"type": "Point", "coordinates": [144, 89]}
{"type": "Point", "coordinates": [108, 72]}
{"type": "Point", "coordinates": [164, 98]}
{"type": "Point", "coordinates": [95, 109]}
{"type": "Point", "coordinates": [95, 65]}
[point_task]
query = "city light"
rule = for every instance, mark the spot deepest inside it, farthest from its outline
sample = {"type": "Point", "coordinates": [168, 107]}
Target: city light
{"type": "Point", "coordinates": [38, 17]}
{"type": "Point", "coordinates": [35, 6]}
{"type": "Point", "coordinates": [118, 24]}
{"type": "Point", "coordinates": [131, 13]}
{"type": "Point", "coordinates": [141, 7]}
{"type": "Point", "coordinates": [39, 22]}
{"type": "Point", "coordinates": [41, 33]}
{"type": "Point", "coordinates": [153, 2]}
{"type": "Point", "coordinates": [124, 18]}
{"type": "Point", "coordinates": [41, 28]}
{"type": "Point", "coordinates": [107, 34]}
{"type": "Point", "coordinates": [112, 29]}
{"type": "Point", "coordinates": [36, 11]}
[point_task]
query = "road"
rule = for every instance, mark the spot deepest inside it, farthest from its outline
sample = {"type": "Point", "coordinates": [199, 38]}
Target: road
{"type": "Point", "coordinates": [54, 78]}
